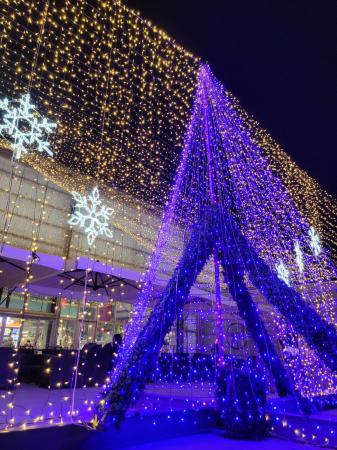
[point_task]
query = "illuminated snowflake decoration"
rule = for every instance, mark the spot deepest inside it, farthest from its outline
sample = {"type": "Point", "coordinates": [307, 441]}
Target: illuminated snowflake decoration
{"type": "Point", "coordinates": [91, 215]}
{"type": "Point", "coordinates": [283, 273]}
{"type": "Point", "coordinates": [315, 242]}
{"type": "Point", "coordinates": [299, 257]}
{"type": "Point", "coordinates": [25, 127]}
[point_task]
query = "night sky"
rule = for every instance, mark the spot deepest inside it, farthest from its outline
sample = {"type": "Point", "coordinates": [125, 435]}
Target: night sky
{"type": "Point", "coordinates": [279, 57]}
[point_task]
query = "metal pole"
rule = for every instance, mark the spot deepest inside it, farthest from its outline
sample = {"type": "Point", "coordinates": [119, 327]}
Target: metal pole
{"type": "Point", "coordinates": [84, 302]}
{"type": "Point", "coordinates": [25, 301]}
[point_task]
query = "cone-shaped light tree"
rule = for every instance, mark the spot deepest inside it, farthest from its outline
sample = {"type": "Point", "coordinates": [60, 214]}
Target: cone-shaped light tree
{"type": "Point", "coordinates": [230, 208]}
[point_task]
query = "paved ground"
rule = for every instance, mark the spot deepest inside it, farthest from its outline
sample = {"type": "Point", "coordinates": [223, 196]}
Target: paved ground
{"type": "Point", "coordinates": [28, 402]}
{"type": "Point", "coordinates": [216, 442]}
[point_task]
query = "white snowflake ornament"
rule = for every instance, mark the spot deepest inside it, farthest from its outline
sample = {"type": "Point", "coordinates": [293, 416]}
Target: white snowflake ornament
{"type": "Point", "coordinates": [299, 257]}
{"type": "Point", "coordinates": [91, 215]}
{"type": "Point", "coordinates": [315, 242]}
{"type": "Point", "coordinates": [283, 273]}
{"type": "Point", "coordinates": [25, 127]}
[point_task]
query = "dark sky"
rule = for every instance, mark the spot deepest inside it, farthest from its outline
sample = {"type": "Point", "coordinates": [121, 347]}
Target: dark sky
{"type": "Point", "coordinates": [279, 57]}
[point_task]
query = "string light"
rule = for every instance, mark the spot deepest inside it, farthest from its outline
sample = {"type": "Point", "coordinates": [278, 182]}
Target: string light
{"type": "Point", "coordinates": [119, 89]}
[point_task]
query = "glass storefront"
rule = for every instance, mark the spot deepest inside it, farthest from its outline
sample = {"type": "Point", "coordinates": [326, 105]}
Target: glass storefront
{"type": "Point", "coordinates": [69, 308]}
{"type": "Point", "coordinates": [66, 334]}
{"type": "Point", "coordinates": [104, 333]}
{"type": "Point", "coordinates": [61, 326]}
{"type": "Point", "coordinates": [51, 321]}
{"type": "Point", "coordinates": [9, 331]}
{"type": "Point", "coordinates": [35, 333]}
{"type": "Point", "coordinates": [88, 333]}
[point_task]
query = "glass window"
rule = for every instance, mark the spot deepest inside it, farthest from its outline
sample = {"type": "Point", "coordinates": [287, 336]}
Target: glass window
{"type": "Point", "coordinates": [106, 313]}
{"type": "Point", "coordinates": [90, 312]}
{"type": "Point", "coordinates": [68, 308]}
{"type": "Point", "coordinates": [66, 333]}
{"type": "Point", "coordinates": [36, 333]}
{"type": "Point", "coordinates": [123, 310]}
{"type": "Point", "coordinates": [88, 333]}
{"type": "Point", "coordinates": [11, 300]}
{"type": "Point", "coordinates": [42, 304]}
{"type": "Point", "coordinates": [9, 331]}
{"type": "Point", "coordinates": [15, 301]}
{"type": "Point", "coordinates": [190, 334]}
{"type": "Point", "coordinates": [43, 334]}
{"type": "Point", "coordinates": [121, 325]}
{"type": "Point", "coordinates": [104, 333]}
